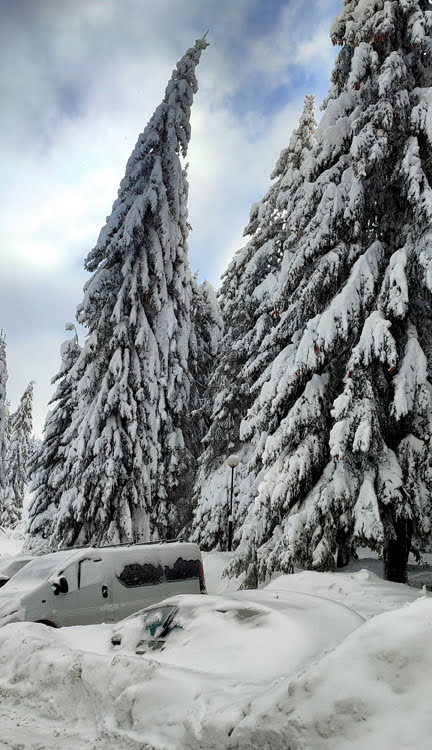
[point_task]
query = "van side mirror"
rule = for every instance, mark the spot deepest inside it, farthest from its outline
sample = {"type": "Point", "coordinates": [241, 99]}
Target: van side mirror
{"type": "Point", "coordinates": [60, 586]}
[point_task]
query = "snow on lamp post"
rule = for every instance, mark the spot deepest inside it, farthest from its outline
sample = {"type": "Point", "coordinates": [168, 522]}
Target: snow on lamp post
{"type": "Point", "coordinates": [232, 462]}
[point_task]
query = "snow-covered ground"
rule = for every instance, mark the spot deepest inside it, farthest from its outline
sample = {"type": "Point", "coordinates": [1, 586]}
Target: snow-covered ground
{"type": "Point", "coordinates": [69, 689]}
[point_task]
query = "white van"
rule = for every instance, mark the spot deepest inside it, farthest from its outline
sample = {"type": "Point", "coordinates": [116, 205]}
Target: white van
{"type": "Point", "coordinates": [81, 586]}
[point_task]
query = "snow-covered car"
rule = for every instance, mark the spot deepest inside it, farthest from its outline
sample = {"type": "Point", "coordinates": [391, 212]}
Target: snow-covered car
{"type": "Point", "coordinates": [251, 634]}
{"type": "Point", "coordinates": [11, 565]}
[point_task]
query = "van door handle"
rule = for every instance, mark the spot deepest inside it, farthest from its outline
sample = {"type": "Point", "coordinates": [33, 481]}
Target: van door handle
{"type": "Point", "coordinates": [105, 592]}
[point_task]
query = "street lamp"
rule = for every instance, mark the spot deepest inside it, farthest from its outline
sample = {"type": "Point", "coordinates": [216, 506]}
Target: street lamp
{"type": "Point", "coordinates": [232, 462]}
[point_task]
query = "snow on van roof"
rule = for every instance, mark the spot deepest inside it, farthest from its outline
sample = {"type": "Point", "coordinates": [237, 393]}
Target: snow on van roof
{"type": "Point", "coordinates": [168, 552]}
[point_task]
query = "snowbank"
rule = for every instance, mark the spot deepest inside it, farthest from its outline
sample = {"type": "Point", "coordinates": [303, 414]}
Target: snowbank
{"type": "Point", "coordinates": [213, 666]}
{"type": "Point", "coordinates": [364, 591]}
{"type": "Point", "coordinates": [372, 691]}
{"type": "Point", "coordinates": [68, 690]}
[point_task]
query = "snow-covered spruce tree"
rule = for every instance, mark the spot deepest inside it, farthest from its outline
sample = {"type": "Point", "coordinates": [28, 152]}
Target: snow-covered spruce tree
{"type": "Point", "coordinates": [3, 379]}
{"type": "Point", "coordinates": [46, 465]}
{"type": "Point", "coordinates": [251, 312]}
{"type": "Point", "coordinates": [347, 408]}
{"type": "Point", "coordinates": [126, 450]}
{"type": "Point", "coordinates": [20, 430]}
{"type": "Point", "coordinates": [34, 446]}
{"type": "Point", "coordinates": [206, 334]}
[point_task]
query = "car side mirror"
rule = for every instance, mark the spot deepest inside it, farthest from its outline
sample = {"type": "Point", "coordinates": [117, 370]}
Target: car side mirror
{"type": "Point", "coordinates": [60, 586]}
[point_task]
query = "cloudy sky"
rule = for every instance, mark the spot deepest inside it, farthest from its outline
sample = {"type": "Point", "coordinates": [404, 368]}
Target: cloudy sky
{"type": "Point", "coordinates": [79, 80]}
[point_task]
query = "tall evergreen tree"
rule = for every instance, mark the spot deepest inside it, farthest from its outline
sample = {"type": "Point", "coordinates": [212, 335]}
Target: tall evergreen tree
{"type": "Point", "coordinates": [207, 329]}
{"type": "Point", "coordinates": [206, 334]}
{"type": "Point", "coordinates": [3, 379]}
{"type": "Point", "coordinates": [126, 450]}
{"type": "Point", "coordinates": [46, 465]}
{"type": "Point", "coordinates": [20, 430]}
{"type": "Point", "coordinates": [252, 313]}
{"type": "Point", "coordinates": [347, 419]}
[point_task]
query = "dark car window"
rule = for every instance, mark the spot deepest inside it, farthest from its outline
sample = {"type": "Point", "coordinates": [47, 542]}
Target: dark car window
{"type": "Point", "coordinates": [146, 574]}
{"type": "Point", "coordinates": [182, 570]}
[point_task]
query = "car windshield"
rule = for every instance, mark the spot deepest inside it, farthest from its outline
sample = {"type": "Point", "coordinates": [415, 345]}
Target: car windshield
{"type": "Point", "coordinates": [155, 619]}
{"type": "Point", "coordinates": [39, 569]}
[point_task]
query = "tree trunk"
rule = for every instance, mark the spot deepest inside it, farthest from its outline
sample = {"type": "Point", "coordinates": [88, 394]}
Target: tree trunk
{"type": "Point", "coordinates": [344, 548]}
{"type": "Point", "coordinates": [343, 556]}
{"type": "Point", "coordinates": [396, 551]}
{"type": "Point", "coordinates": [251, 577]}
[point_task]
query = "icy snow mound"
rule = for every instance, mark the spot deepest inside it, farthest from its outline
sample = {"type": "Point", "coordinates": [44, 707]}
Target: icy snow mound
{"type": "Point", "coordinates": [372, 691]}
{"type": "Point", "coordinates": [115, 700]}
{"type": "Point", "coordinates": [191, 694]}
{"type": "Point", "coordinates": [363, 592]}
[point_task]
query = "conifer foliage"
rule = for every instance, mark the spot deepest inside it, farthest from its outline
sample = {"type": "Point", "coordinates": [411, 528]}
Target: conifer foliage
{"type": "Point", "coordinates": [207, 333]}
{"type": "Point", "coordinates": [126, 448]}
{"type": "Point", "coordinates": [46, 464]}
{"type": "Point", "coordinates": [251, 309]}
{"type": "Point", "coordinates": [19, 436]}
{"type": "Point", "coordinates": [347, 454]}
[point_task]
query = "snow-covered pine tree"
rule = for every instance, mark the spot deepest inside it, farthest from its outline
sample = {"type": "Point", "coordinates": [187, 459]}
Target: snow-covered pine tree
{"type": "Point", "coordinates": [34, 446]}
{"type": "Point", "coordinates": [126, 450]}
{"type": "Point", "coordinates": [3, 379]}
{"type": "Point", "coordinates": [347, 407]}
{"type": "Point", "coordinates": [206, 334]}
{"type": "Point", "coordinates": [46, 465]}
{"type": "Point", "coordinates": [7, 430]}
{"type": "Point", "coordinates": [251, 312]}
{"type": "Point", "coordinates": [207, 329]}
{"type": "Point", "coordinates": [20, 430]}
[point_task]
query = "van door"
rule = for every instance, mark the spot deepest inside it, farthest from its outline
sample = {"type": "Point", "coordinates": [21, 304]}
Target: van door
{"type": "Point", "coordinates": [89, 596]}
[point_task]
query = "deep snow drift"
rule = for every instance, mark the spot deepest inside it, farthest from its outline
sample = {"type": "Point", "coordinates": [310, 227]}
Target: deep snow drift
{"type": "Point", "coordinates": [69, 689]}
{"type": "Point", "coordinates": [372, 691]}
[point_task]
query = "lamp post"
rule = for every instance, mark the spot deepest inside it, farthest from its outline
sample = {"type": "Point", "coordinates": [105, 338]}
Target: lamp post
{"type": "Point", "coordinates": [232, 462]}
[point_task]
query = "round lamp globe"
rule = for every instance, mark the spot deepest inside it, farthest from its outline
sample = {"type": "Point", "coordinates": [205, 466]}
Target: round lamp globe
{"type": "Point", "coordinates": [233, 461]}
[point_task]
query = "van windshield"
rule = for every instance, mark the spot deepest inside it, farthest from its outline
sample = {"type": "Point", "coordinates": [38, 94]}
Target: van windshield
{"type": "Point", "coordinates": [39, 569]}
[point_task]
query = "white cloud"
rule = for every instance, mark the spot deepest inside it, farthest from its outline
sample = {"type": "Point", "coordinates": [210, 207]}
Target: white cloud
{"type": "Point", "coordinates": [227, 174]}
{"type": "Point", "coordinates": [317, 48]}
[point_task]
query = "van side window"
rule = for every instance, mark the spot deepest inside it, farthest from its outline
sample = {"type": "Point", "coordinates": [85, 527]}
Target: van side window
{"type": "Point", "coordinates": [146, 574]}
{"type": "Point", "coordinates": [182, 570]}
{"type": "Point", "coordinates": [90, 573]}
{"type": "Point", "coordinates": [71, 575]}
